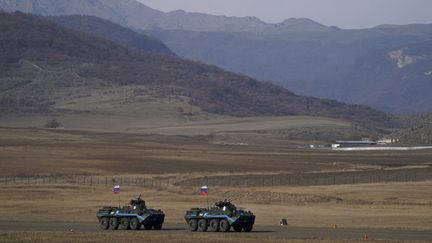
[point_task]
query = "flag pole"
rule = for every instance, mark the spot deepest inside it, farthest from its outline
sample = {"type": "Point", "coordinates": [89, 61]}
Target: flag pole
{"type": "Point", "coordinates": [204, 192]}
{"type": "Point", "coordinates": [116, 190]}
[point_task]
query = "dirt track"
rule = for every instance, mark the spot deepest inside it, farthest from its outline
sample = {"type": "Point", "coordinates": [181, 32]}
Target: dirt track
{"type": "Point", "coordinates": [259, 231]}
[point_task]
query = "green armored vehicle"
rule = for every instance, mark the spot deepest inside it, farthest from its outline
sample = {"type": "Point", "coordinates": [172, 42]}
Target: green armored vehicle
{"type": "Point", "coordinates": [220, 218]}
{"type": "Point", "coordinates": [132, 216]}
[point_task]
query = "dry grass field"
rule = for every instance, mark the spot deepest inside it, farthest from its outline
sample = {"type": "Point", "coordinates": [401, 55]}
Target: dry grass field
{"type": "Point", "coordinates": [62, 153]}
{"type": "Point", "coordinates": [149, 237]}
{"type": "Point", "coordinates": [391, 206]}
{"type": "Point", "coordinates": [120, 108]}
{"type": "Point", "coordinates": [36, 152]}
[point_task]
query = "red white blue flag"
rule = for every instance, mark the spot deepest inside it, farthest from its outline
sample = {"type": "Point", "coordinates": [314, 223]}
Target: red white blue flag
{"type": "Point", "coordinates": [116, 189]}
{"type": "Point", "coordinates": [204, 191]}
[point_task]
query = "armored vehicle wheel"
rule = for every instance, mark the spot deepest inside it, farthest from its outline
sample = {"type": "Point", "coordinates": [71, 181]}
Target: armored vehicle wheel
{"type": "Point", "coordinates": [134, 224]}
{"type": "Point", "coordinates": [148, 226]}
{"type": "Point", "coordinates": [104, 223]}
{"type": "Point", "coordinates": [214, 225]}
{"type": "Point", "coordinates": [193, 225]}
{"type": "Point", "coordinates": [224, 225]}
{"type": "Point", "coordinates": [124, 224]}
{"type": "Point", "coordinates": [238, 228]}
{"type": "Point", "coordinates": [248, 227]}
{"type": "Point", "coordinates": [202, 225]}
{"type": "Point", "coordinates": [113, 223]}
{"type": "Point", "coordinates": [157, 226]}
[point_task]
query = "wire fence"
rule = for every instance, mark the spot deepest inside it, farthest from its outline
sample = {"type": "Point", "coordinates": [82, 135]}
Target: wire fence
{"type": "Point", "coordinates": [253, 180]}
{"type": "Point", "coordinates": [88, 180]}
{"type": "Point", "coordinates": [311, 179]}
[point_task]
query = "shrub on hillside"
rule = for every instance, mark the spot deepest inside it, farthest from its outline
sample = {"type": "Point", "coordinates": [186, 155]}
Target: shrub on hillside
{"type": "Point", "coordinates": [53, 123]}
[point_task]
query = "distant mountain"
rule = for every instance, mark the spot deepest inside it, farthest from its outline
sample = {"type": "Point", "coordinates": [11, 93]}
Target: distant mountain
{"type": "Point", "coordinates": [306, 57]}
{"type": "Point", "coordinates": [136, 15]}
{"type": "Point", "coordinates": [309, 63]}
{"type": "Point", "coordinates": [43, 65]}
{"type": "Point", "coordinates": [296, 25]}
{"type": "Point", "coordinates": [114, 32]}
{"type": "Point", "coordinates": [398, 79]}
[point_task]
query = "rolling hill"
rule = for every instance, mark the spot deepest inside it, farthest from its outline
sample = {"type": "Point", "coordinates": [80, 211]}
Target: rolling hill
{"type": "Point", "coordinates": [302, 55]}
{"type": "Point", "coordinates": [111, 31]}
{"type": "Point", "coordinates": [419, 132]}
{"type": "Point", "coordinates": [48, 68]}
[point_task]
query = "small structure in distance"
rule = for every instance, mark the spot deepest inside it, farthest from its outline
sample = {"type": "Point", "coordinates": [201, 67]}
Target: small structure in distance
{"type": "Point", "coordinates": [354, 144]}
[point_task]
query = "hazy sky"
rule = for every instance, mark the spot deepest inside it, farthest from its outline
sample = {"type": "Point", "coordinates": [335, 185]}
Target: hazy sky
{"type": "Point", "coordinates": [342, 13]}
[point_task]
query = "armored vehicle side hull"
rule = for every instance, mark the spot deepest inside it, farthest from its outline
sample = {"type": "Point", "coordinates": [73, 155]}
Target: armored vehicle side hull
{"type": "Point", "coordinates": [134, 216]}
{"type": "Point", "coordinates": [215, 220]}
{"type": "Point", "coordinates": [120, 219]}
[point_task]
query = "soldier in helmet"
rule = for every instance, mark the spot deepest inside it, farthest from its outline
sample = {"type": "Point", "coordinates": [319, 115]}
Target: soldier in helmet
{"type": "Point", "coordinates": [138, 203]}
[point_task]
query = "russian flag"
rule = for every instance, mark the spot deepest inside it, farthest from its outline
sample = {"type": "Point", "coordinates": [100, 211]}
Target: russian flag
{"type": "Point", "coordinates": [204, 191]}
{"type": "Point", "coordinates": [116, 189]}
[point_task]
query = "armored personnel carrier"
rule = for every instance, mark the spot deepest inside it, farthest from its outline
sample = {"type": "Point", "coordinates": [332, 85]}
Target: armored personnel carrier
{"type": "Point", "coordinates": [131, 216]}
{"type": "Point", "coordinates": [220, 218]}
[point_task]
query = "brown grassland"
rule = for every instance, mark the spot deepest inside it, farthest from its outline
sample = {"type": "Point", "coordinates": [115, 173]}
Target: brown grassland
{"type": "Point", "coordinates": [149, 237]}
{"type": "Point", "coordinates": [36, 152]}
{"type": "Point", "coordinates": [394, 205]}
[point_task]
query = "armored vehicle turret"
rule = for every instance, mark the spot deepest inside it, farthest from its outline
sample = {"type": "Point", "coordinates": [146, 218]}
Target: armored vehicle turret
{"type": "Point", "coordinates": [222, 217]}
{"type": "Point", "coordinates": [131, 216]}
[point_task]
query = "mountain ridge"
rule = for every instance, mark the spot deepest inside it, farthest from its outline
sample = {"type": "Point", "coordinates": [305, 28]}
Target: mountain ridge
{"type": "Point", "coordinates": [114, 32]}
{"type": "Point", "coordinates": [310, 64]}
{"type": "Point", "coordinates": [308, 58]}
{"type": "Point", "coordinates": [409, 67]}
{"type": "Point", "coordinates": [136, 15]}
{"type": "Point", "coordinates": [47, 64]}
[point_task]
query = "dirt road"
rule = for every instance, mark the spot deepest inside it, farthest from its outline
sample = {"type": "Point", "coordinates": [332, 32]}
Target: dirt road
{"type": "Point", "coordinates": [259, 231]}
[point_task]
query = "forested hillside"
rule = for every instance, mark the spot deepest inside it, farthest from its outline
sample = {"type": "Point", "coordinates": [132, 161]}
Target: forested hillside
{"type": "Point", "coordinates": [41, 57]}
